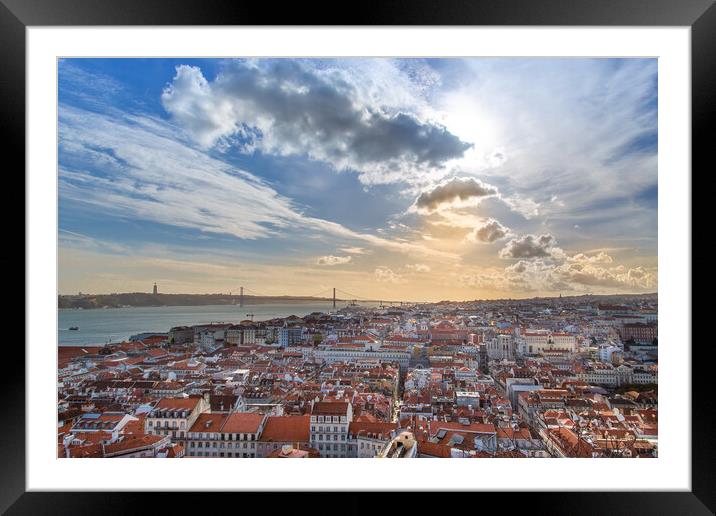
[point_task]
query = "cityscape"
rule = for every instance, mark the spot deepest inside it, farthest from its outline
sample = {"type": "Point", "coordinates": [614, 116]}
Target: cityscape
{"type": "Point", "coordinates": [545, 377]}
{"type": "Point", "coordinates": [357, 258]}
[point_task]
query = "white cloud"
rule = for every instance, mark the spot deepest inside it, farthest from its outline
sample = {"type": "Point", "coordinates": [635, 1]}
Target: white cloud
{"type": "Point", "coordinates": [418, 267]}
{"type": "Point", "coordinates": [528, 208]}
{"type": "Point", "coordinates": [354, 250]}
{"type": "Point", "coordinates": [539, 275]}
{"type": "Point", "coordinates": [386, 275]}
{"type": "Point", "coordinates": [590, 275]}
{"type": "Point", "coordinates": [134, 167]}
{"type": "Point", "coordinates": [600, 257]}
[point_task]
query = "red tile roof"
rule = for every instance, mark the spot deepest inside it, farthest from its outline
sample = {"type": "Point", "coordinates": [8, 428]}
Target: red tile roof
{"type": "Point", "coordinates": [242, 423]}
{"type": "Point", "coordinates": [283, 429]}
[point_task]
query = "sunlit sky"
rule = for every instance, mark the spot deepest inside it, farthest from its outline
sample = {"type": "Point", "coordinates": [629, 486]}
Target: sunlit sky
{"type": "Point", "coordinates": [401, 179]}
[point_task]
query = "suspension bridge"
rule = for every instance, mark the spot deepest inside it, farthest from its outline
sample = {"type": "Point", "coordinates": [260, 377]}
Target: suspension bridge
{"type": "Point", "coordinates": [333, 294]}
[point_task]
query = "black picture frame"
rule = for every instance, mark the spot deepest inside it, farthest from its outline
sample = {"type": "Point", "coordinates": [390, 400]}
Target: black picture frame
{"type": "Point", "coordinates": [17, 15]}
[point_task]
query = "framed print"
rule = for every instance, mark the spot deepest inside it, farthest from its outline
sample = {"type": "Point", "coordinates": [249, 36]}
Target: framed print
{"type": "Point", "coordinates": [425, 232]}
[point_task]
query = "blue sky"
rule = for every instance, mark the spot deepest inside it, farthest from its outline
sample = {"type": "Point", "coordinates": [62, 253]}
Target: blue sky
{"type": "Point", "coordinates": [435, 179]}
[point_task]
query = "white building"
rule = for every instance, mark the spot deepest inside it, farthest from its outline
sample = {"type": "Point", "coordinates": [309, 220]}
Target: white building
{"type": "Point", "coordinates": [174, 416]}
{"type": "Point", "coordinates": [351, 354]}
{"type": "Point", "coordinates": [538, 341]}
{"type": "Point", "coordinates": [606, 374]}
{"type": "Point", "coordinates": [329, 427]}
{"type": "Point", "coordinates": [232, 435]}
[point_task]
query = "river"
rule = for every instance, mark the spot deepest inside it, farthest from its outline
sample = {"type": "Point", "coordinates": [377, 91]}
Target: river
{"type": "Point", "coordinates": [99, 326]}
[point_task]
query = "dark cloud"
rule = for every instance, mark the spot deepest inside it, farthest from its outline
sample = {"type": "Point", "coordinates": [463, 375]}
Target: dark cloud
{"type": "Point", "coordinates": [294, 109]}
{"type": "Point", "coordinates": [456, 189]}
{"type": "Point", "coordinates": [490, 232]}
{"type": "Point", "coordinates": [530, 246]}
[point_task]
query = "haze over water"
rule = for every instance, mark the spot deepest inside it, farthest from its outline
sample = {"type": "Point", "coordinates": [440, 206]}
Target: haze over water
{"type": "Point", "coordinates": [98, 326]}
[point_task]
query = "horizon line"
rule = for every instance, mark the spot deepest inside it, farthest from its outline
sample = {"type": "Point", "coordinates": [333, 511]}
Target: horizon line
{"type": "Point", "coordinates": [364, 299]}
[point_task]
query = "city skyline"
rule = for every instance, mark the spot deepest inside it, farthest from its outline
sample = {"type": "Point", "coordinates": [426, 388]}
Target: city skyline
{"type": "Point", "coordinates": [436, 178]}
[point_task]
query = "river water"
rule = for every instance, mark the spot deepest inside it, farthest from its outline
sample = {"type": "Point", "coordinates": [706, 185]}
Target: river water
{"type": "Point", "coordinates": [99, 326]}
